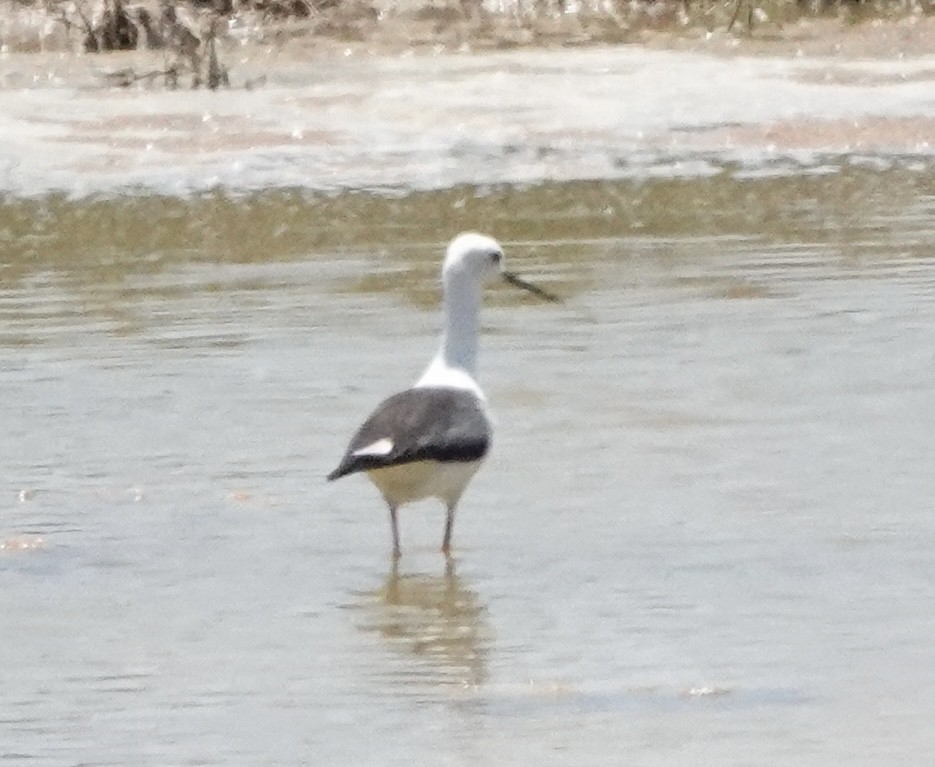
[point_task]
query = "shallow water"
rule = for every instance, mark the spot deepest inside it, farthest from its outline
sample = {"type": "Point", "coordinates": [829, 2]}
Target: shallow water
{"type": "Point", "coordinates": [705, 534]}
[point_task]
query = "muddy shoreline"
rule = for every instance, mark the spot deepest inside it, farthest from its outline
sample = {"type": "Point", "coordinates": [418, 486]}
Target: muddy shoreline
{"type": "Point", "coordinates": [329, 116]}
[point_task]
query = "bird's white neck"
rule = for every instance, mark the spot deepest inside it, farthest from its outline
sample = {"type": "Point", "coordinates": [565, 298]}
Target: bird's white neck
{"type": "Point", "coordinates": [455, 363]}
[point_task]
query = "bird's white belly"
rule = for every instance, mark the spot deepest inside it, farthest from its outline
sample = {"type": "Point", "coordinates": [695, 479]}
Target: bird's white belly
{"type": "Point", "coordinates": [424, 479]}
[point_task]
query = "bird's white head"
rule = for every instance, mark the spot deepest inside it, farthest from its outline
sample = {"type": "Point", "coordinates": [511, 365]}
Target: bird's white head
{"type": "Point", "coordinates": [470, 260]}
{"type": "Point", "coordinates": [473, 257]}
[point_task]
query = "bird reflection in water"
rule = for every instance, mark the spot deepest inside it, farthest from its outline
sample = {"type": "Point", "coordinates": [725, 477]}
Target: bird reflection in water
{"type": "Point", "coordinates": [435, 620]}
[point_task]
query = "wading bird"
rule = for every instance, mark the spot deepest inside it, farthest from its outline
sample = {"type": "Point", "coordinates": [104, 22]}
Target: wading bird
{"type": "Point", "coordinates": [430, 440]}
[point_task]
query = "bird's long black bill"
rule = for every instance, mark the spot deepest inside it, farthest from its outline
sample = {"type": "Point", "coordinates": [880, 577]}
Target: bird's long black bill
{"type": "Point", "coordinates": [528, 286]}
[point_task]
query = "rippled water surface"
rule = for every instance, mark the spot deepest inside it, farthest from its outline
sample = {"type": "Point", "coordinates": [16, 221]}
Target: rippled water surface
{"type": "Point", "coordinates": [704, 536]}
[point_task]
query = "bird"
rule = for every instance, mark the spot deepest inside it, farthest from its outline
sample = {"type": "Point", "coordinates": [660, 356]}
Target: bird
{"type": "Point", "coordinates": [428, 441]}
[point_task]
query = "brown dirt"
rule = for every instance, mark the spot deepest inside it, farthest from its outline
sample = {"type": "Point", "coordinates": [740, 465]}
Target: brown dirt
{"type": "Point", "coordinates": [865, 134]}
{"type": "Point", "coordinates": [881, 38]}
{"type": "Point", "coordinates": [909, 36]}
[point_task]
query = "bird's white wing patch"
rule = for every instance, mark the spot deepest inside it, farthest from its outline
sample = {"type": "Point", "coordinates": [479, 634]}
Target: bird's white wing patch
{"type": "Point", "coordinates": [380, 447]}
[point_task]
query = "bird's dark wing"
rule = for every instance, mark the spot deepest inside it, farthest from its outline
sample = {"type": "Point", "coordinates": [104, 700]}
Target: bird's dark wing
{"type": "Point", "coordinates": [421, 424]}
